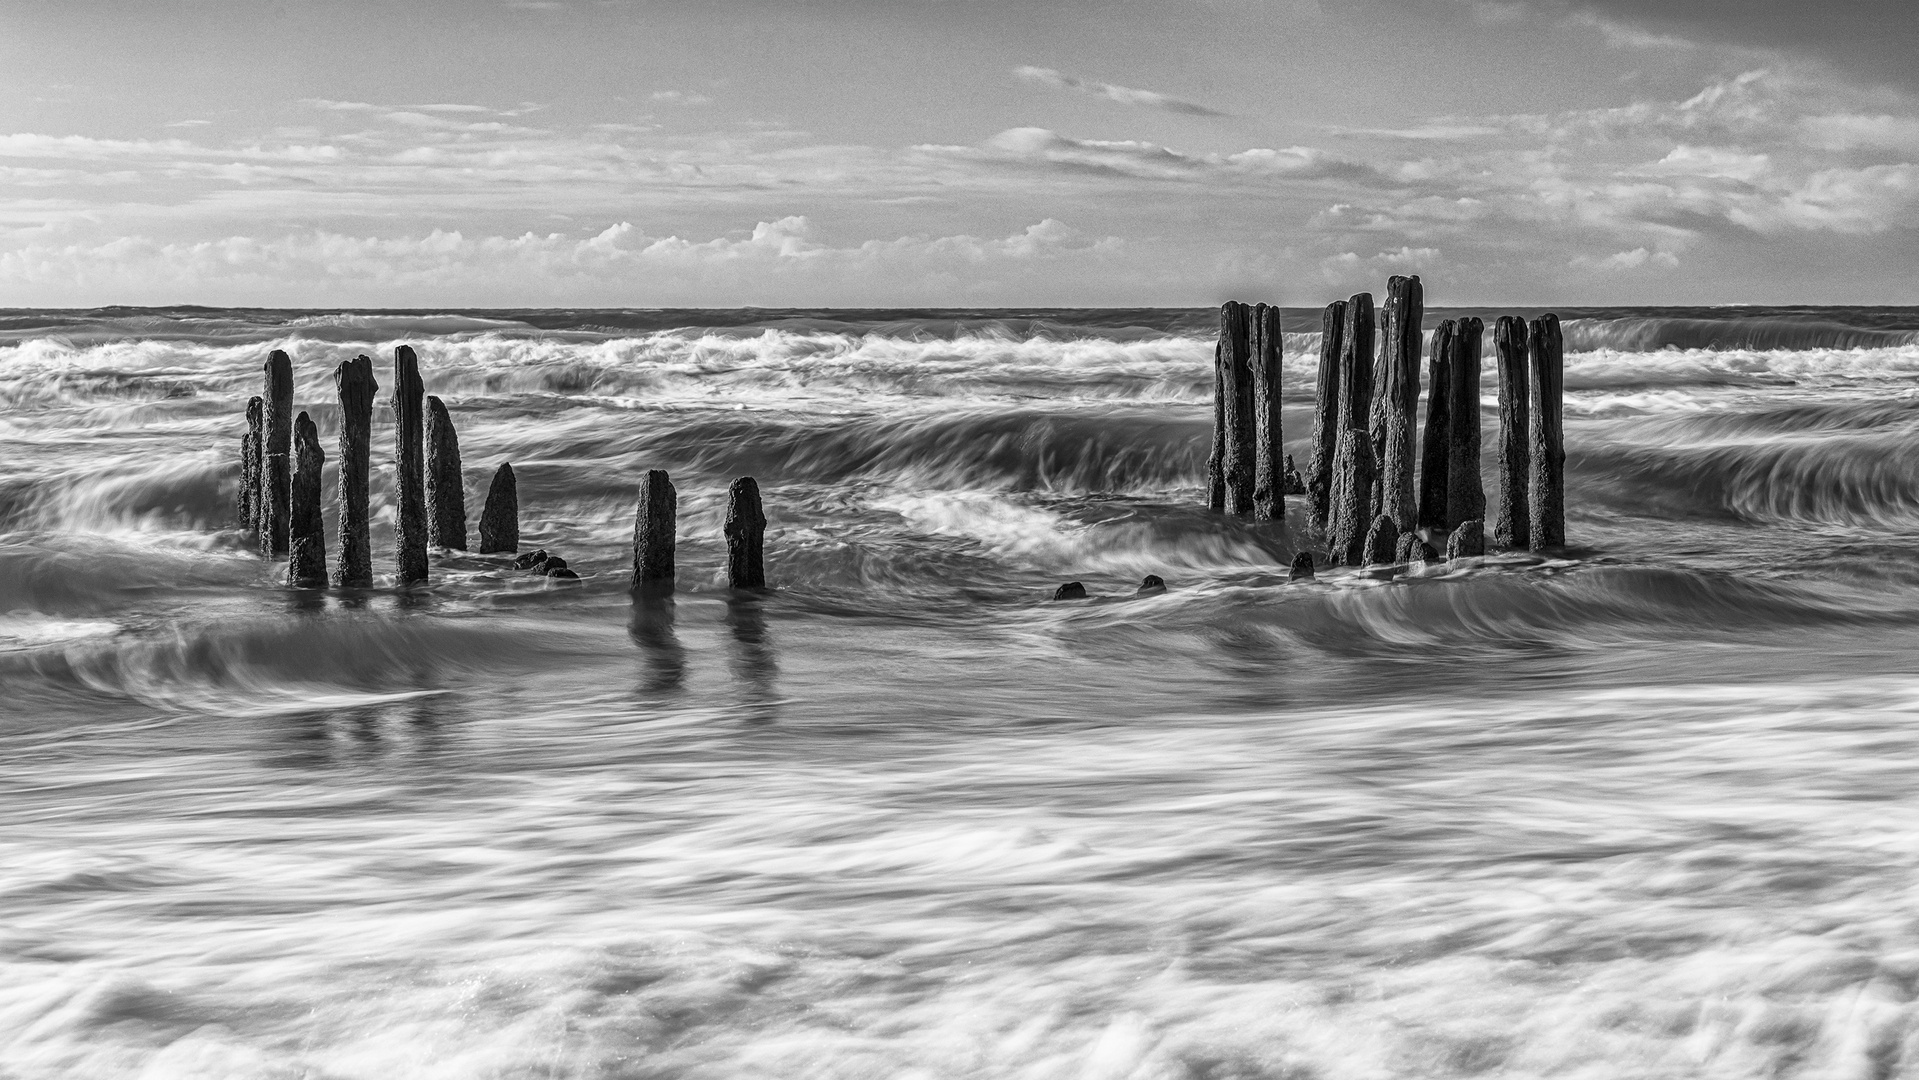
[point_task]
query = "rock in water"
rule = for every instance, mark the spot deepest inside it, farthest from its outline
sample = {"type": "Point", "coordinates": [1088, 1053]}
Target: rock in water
{"type": "Point", "coordinates": [1465, 494]}
{"type": "Point", "coordinates": [745, 530]}
{"type": "Point", "coordinates": [1302, 567]}
{"type": "Point", "coordinates": [1072, 590]}
{"type": "Point", "coordinates": [561, 573]}
{"type": "Point", "coordinates": [306, 565]}
{"type": "Point", "coordinates": [500, 518]}
{"type": "Point", "coordinates": [1545, 352]}
{"type": "Point", "coordinates": [654, 525]}
{"type": "Point", "coordinates": [1326, 416]}
{"type": "Point", "coordinates": [1435, 447]}
{"type": "Point", "coordinates": [1151, 585]}
{"type": "Point", "coordinates": [353, 381]}
{"type": "Point", "coordinates": [409, 455]}
{"type": "Point", "coordinates": [1512, 514]}
{"type": "Point", "coordinates": [1469, 539]}
{"type": "Point", "coordinates": [550, 563]}
{"type": "Point", "coordinates": [1382, 542]}
{"type": "Point", "coordinates": [445, 489]}
{"type": "Point", "coordinates": [531, 560]}
{"type": "Point", "coordinates": [276, 465]}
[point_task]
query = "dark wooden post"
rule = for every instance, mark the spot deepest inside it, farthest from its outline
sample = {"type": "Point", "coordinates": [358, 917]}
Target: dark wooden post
{"type": "Point", "coordinates": [1545, 349]}
{"type": "Point", "coordinates": [1468, 539]}
{"type": "Point", "coordinates": [1382, 542]}
{"type": "Point", "coordinates": [653, 533]}
{"type": "Point", "coordinates": [1326, 426]}
{"type": "Point", "coordinates": [500, 518]}
{"type": "Point", "coordinates": [1352, 498]}
{"type": "Point", "coordinates": [1216, 463]}
{"type": "Point", "coordinates": [1355, 404]}
{"type": "Point", "coordinates": [745, 531]}
{"type": "Point", "coordinates": [1302, 567]}
{"type": "Point", "coordinates": [1512, 516]}
{"type": "Point", "coordinates": [276, 471]}
{"type": "Point", "coordinates": [353, 379]}
{"type": "Point", "coordinates": [445, 489]}
{"type": "Point", "coordinates": [409, 458]}
{"type": "Point", "coordinates": [1269, 444]}
{"type": "Point", "coordinates": [250, 455]}
{"type": "Point", "coordinates": [1238, 462]}
{"type": "Point", "coordinates": [1465, 493]}
{"type": "Point", "coordinates": [1396, 399]}
{"type": "Point", "coordinates": [1435, 446]}
{"type": "Point", "coordinates": [306, 567]}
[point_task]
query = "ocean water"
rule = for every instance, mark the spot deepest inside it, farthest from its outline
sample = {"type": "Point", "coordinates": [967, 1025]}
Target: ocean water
{"type": "Point", "coordinates": [1644, 808]}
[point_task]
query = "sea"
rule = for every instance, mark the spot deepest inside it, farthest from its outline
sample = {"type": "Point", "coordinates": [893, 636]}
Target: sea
{"type": "Point", "coordinates": [1644, 807]}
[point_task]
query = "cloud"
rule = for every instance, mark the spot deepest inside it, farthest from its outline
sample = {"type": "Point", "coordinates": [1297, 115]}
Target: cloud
{"type": "Point", "coordinates": [680, 97]}
{"type": "Point", "coordinates": [1145, 99]}
{"type": "Point", "coordinates": [1621, 261]}
{"type": "Point", "coordinates": [1035, 147]}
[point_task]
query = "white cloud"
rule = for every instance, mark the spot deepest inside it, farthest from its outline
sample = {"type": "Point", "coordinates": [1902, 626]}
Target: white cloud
{"type": "Point", "coordinates": [1124, 95]}
{"type": "Point", "coordinates": [1625, 260]}
{"type": "Point", "coordinates": [680, 97]}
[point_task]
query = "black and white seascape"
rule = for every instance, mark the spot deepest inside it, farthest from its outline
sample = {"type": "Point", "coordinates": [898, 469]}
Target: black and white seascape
{"type": "Point", "coordinates": [642, 540]}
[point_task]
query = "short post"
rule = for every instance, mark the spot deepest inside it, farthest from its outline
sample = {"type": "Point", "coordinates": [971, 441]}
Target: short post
{"type": "Point", "coordinates": [410, 467]}
{"type": "Point", "coordinates": [745, 531]}
{"type": "Point", "coordinates": [1512, 512]}
{"type": "Point", "coordinates": [1465, 494]}
{"type": "Point", "coordinates": [1435, 447]}
{"type": "Point", "coordinates": [1326, 425]}
{"type": "Point", "coordinates": [653, 533]}
{"type": "Point", "coordinates": [1468, 539]}
{"type": "Point", "coordinates": [250, 455]}
{"type": "Point", "coordinates": [276, 471]}
{"type": "Point", "coordinates": [1302, 567]}
{"type": "Point", "coordinates": [1382, 542]}
{"type": "Point", "coordinates": [1396, 399]}
{"type": "Point", "coordinates": [306, 567]}
{"type": "Point", "coordinates": [353, 380]}
{"type": "Point", "coordinates": [500, 518]}
{"type": "Point", "coordinates": [445, 490]}
{"type": "Point", "coordinates": [1545, 350]}
{"type": "Point", "coordinates": [1269, 444]}
{"type": "Point", "coordinates": [1352, 497]}
{"type": "Point", "coordinates": [1237, 462]}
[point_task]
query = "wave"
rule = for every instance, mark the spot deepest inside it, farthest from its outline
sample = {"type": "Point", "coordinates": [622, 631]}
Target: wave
{"type": "Point", "coordinates": [1749, 334]}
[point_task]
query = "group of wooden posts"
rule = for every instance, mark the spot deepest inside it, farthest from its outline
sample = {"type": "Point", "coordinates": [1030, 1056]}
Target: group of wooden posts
{"type": "Point", "coordinates": [279, 491]}
{"type": "Point", "coordinates": [1359, 486]}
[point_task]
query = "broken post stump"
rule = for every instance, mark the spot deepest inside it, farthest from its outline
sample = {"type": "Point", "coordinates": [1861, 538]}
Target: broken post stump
{"type": "Point", "coordinates": [354, 382]}
{"type": "Point", "coordinates": [250, 455]}
{"type": "Point", "coordinates": [1237, 453]}
{"type": "Point", "coordinates": [409, 529]}
{"type": "Point", "coordinates": [1396, 399]}
{"type": "Point", "coordinates": [1403, 549]}
{"type": "Point", "coordinates": [745, 530]}
{"type": "Point", "coordinates": [1465, 493]}
{"type": "Point", "coordinates": [500, 517]}
{"type": "Point", "coordinates": [653, 533]}
{"type": "Point", "coordinates": [1512, 511]}
{"type": "Point", "coordinates": [1151, 585]}
{"type": "Point", "coordinates": [1302, 567]}
{"type": "Point", "coordinates": [1269, 444]}
{"type": "Point", "coordinates": [445, 490]}
{"type": "Point", "coordinates": [1545, 352]}
{"type": "Point", "coordinates": [1352, 497]}
{"type": "Point", "coordinates": [1382, 542]}
{"type": "Point", "coordinates": [306, 565]}
{"type": "Point", "coordinates": [1468, 539]}
{"type": "Point", "coordinates": [276, 471]}
{"type": "Point", "coordinates": [1072, 590]}
{"type": "Point", "coordinates": [1435, 446]}
{"type": "Point", "coordinates": [1326, 421]}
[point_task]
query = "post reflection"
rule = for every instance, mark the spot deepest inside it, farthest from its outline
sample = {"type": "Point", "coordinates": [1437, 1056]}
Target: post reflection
{"type": "Point", "coordinates": [651, 628]}
{"type": "Point", "coordinates": [752, 659]}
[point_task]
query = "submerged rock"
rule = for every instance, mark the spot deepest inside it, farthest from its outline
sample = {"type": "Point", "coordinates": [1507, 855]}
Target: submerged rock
{"type": "Point", "coordinates": [1302, 567]}
{"type": "Point", "coordinates": [1072, 590]}
{"type": "Point", "coordinates": [1151, 585]}
{"type": "Point", "coordinates": [530, 560]}
{"type": "Point", "coordinates": [561, 573]}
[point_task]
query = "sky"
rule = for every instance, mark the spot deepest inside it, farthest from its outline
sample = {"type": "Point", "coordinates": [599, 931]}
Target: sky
{"type": "Point", "coordinates": [956, 153]}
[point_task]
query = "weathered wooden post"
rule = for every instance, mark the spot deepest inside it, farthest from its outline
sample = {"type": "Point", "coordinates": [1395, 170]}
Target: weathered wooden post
{"type": "Point", "coordinates": [275, 465]}
{"type": "Point", "coordinates": [445, 490]}
{"type": "Point", "coordinates": [1436, 445]}
{"type": "Point", "coordinates": [1352, 497]}
{"type": "Point", "coordinates": [1468, 539]}
{"type": "Point", "coordinates": [1512, 516]}
{"type": "Point", "coordinates": [250, 455]}
{"type": "Point", "coordinates": [409, 532]}
{"type": "Point", "coordinates": [500, 518]}
{"type": "Point", "coordinates": [1238, 460]}
{"type": "Point", "coordinates": [1216, 462]}
{"type": "Point", "coordinates": [1302, 568]}
{"type": "Point", "coordinates": [354, 382]}
{"type": "Point", "coordinates": [1269, 444]}
{"type": "Point", "coordinates": [653, 534]}
{"type": "Point", "coordinates": [1545, 350]}
{"type": "Point", "coordinates": [1465, 493]}
{"type": "Point", "coordinates": [1396, 399]}
{"type": "Point", "coordinates": [745, 531]}
{"type": "Point", "coordinates": [1326, 423]}
{"type": "Point", "coordinates": [1382, 542]}
{"type": "Point", "coordinates": [306, 566]}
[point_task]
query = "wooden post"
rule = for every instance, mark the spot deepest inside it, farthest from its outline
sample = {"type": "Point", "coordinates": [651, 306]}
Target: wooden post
{"type": "Point", "coordinates": [353, 379]}
{"type": "Point", "coordinates": [250, 455]}
{"type": "Point", "coordinates": [653, 533]}
{"type": "Point", "coordinates": [1465, 494]}
{"type": "Point", "coordinates": [1545, 351]}
{"type": "Point", "coordinates": [745, 531]}
{"type": "Point", "coordinates": [445, 490]}
{"type": "Point", "coordinates": [1468, 539]}
{"type": "Point", "coordinates": [1396, 400]}
{"type": "Point", "coordinates": [1435, 447]}
{"type": "Point", "coordinates": [306, 567]}
{"type": "Point", "coordinates": [1269, 443]}
{"type": "Point", "coordinates": [1512, 515]}
{"type": "Point", "coordinates": [1236, 376]}
{"type": "Point", "coordinates": [275, 465]}
{"type": "Point", "coordinates": [1352, 497]}
{"type": "Point", "coordinates": [500, 518]}
{"type": "Point", "coordinates": [1355, 404]}
{"type": "Point", "coordinates": [1302, 567]}
{"type": "Point", "coordinates": [1382, 542]}
{"type": "Point", "coordinates": [1326, 425]}
{"type": "Point", "coordinates": [409, 531]}
{"type": "Point", "coordinates": [1216, 464]}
